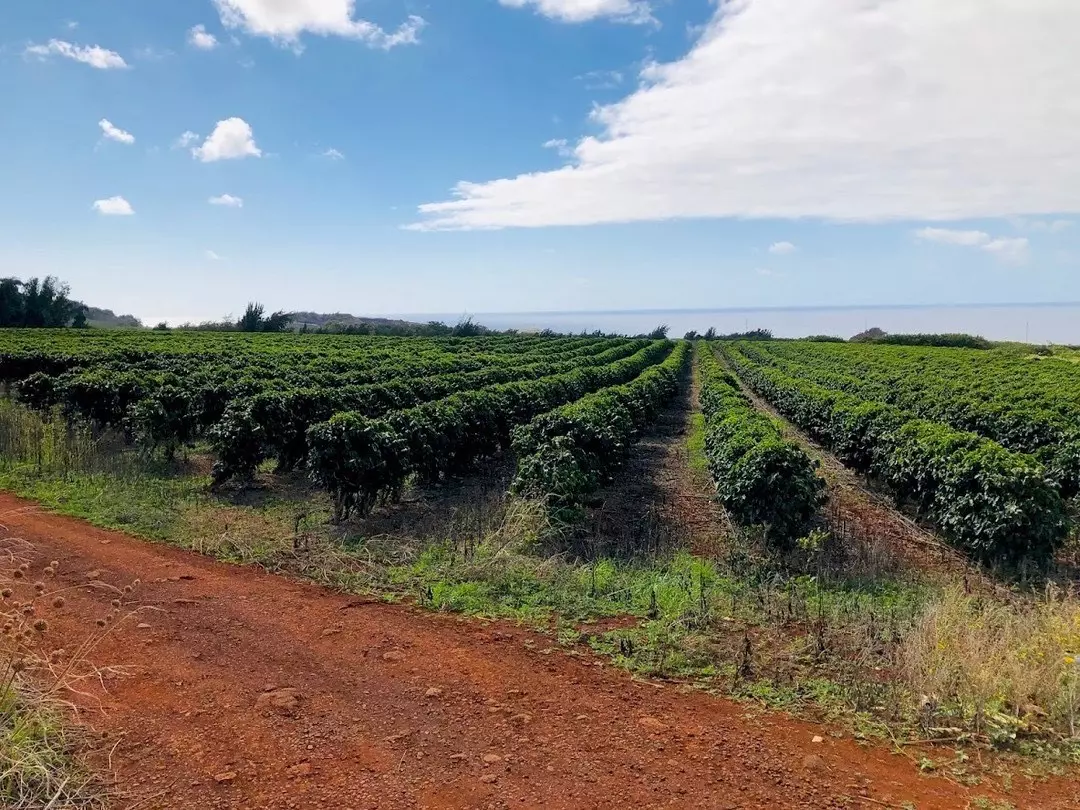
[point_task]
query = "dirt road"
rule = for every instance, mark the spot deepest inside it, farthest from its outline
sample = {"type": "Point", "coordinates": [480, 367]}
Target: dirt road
{"type": "Point", "coordinates": [247, 690]}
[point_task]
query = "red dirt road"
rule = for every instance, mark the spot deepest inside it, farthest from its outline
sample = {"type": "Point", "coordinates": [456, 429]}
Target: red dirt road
{"type": "Point", "coordinates": [398, 708]}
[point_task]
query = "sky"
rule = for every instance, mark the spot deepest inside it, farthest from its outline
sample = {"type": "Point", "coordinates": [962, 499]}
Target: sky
{"type": "Point", "coordinates": [175, 160]}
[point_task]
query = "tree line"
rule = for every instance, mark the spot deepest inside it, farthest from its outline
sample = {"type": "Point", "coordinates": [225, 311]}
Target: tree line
{"type": "Point", "coordinates": [39, 302]}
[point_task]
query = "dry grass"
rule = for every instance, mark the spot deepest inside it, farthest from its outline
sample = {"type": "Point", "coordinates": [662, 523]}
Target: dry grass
{"type": "Point", "coordinates": [41, 751]}
{"type": "Point", "coordinates": [1005, 669]}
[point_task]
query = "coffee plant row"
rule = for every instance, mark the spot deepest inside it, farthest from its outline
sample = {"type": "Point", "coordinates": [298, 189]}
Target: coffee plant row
{"type": "Point", "coordinates": [761, 477]}
{"type": "Point", "coordinates": [565, 455]}
{"type": "Point", "coordinates": [1029, 404]}
{"type": "Point", "coordinates": [362, 461]}
{"type": "Point", "coordinates": [990, 501]}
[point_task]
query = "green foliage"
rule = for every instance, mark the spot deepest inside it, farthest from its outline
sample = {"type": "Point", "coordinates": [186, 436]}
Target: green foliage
{"type": "Point", "coordinates": [566, 455]}
{"type": "Point", "coordinates": [994, 503]}
{"type": "Point", "coordinates": [761, 478]}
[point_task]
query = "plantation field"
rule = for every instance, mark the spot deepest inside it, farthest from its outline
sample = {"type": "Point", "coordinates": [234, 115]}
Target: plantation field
{"type": "Point", "coordinates": [881, 536]}
{"type": "Point", "coordinates": [362, 414]}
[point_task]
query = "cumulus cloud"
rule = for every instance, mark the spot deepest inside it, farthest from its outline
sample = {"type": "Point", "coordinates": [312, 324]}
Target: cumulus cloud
{"type": "Point", "coordinates": [199, 37]}
{"type": "Point", "coordinates": [333, 154]}
{"type": "Point", "coordinates": [576, 11]}
{"type": "Point", "coordinates": [848, 110]}
{"type": "Point", "coordinates": [231, 139]}
{"type": "Point", "coordinates": [227, 200]}
{"type": "Point", "coordinates": [114, 207]}
{"type": "Point", "coordinates": [781, 248]}
{"type": "Point", "coordinates": [286, 20]}
{"type": "Point", "coordinates": [93, 55]}
{"type": "Point", "coordinates": [1011, 250]}
{"type": "Point", "coordinates": [114, 133]}
{"type": "Point", "coordinates": [1042, 225]}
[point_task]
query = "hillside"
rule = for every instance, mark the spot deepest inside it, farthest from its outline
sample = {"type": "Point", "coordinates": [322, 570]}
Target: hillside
{"type": "Point", "coordinates": [107, 319]}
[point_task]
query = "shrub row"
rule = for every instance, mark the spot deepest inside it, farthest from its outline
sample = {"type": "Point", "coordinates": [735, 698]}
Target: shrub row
{"type": "Point", "coordinates": [985, 499]}
{"type": "Point", "coordinates": [567, 454]}
{"type": "Point", "coordinates": [761, 477]}
{"type": "Point", "coordinates": [275, 424]}
{"type": "Point", "coordinates": [361, 461]}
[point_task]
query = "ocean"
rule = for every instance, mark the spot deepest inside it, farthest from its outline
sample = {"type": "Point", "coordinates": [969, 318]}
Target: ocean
{"type": "Point", "coordinates": [1034, 323]}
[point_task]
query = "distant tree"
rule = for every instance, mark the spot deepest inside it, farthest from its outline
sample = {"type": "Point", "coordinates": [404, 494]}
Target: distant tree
{"type": "Point", "coordinates": [11, 302]}
{"type": "Point", "coordinates": [710, 333]}
{"type": "Point", "coordinates": [251, 320]}
{"type": "Point", "coordinates": [659, 332]}
{"type": "Point", "coordinates": [691, 335]}
{"type": "Point", "coordinates": [467, 327]}
{"type": "Point", "coordinates": [161, 327]}
{"type": "Point", "coordinates": [277, 322]}
{"type": "Point", "coordinates": [78, 320]}
{"type": "Point", "coordinates": [871, 334]}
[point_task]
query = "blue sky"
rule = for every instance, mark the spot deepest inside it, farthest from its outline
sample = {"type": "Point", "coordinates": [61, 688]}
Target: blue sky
{"type": "Point", "coordinates": [402, 156]}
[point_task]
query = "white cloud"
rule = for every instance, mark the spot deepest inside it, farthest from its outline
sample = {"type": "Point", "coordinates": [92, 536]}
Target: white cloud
{"type": "Point", "coordinates": [1042, 226]}
{"type": "Point", "coordinates": [114, 133]}
{"type": "Point", "coordinates": [114, 207]}
{"type": "Point", "coordinates": [93, 55]}
{"type": "Point", "coordinates": [576, 11]}
{"type": "Point", "coordinates": [601, 79]}
{"type": "Point", "coordinates": [185, 140]}
{"type": "Point", "coordinates": [213, 256]}
{"type": "Point", "coordinates": [231, 138]}
{"type": "Point", "coordinates": [1011, 250]}
{"type": "Point", "coordinates": [286, 20]}
{"type": "Point", "coordinates": [847, 110]}
{"type": "Point", "coordinates": [951, 237]}
{"type": "Point", "coordinates": [782, 248]}
{"type": "Point", "coordinates": [333, 154]}
{"type": "Point", "coordinates": [199, 37]}
{"type": "Point", "coordinates": [227, 200]}
{"type": "Point", "coordinates": [560, 145]}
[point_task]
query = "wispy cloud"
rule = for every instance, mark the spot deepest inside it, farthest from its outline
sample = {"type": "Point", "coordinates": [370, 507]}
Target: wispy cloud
{"type": "Point", "coordinates": [782, 248]}
{"type": "Point", "coordinates": [227, 200]}
{"type": "Point", "coordinates": [1010, 250]}
{"type": "Point", "coordinates": [92, 55]}
{"type": "Point", "coordinates": [199, 37]}
{"type": "Point", "coordinates": [578, 11]}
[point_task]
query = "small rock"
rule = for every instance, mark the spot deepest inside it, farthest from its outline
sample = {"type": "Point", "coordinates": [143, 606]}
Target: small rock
{"type": "Point", "coordinates": [813, 763]}
{"type": "Point", "coordinates": [92, 575]}
{"type": "Point", "coordinates": [142, 626]}
{"type": "Point", "coordinates": [652, 724]}
{"type": "Point", "coordinates": [491, 759]}
{"type": "Point", "coordinates": [433, 692]}
{"type": "Point", "coordinates": [283, 701]}
{"type": "Point", "coordinates": [458, 757]}
{"type": "Point", "coordinates": [301, 770]}
{"type": "Point", "coordinates": [331, 631]}
{"type": "Point", "coordinates": [521, 719]}
{"type": "Point", "coordinates": [225, 778]}
{"type": "Point", "coordinates": [393, 655]}
{"type": "Point", "coordinates": [818, 739]}
{"type": "Point", "coordinates": [401, 735]}
{"type": "Point", "coordinates": [489, 779]}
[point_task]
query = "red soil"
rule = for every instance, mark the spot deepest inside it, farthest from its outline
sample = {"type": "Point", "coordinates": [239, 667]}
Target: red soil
{"type": "Point", "coordinates": [249, 690]}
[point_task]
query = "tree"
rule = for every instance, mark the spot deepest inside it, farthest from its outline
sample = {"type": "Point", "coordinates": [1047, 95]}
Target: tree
{"type": "Point", "coordinates": [691, 335]}
{"type": "Point", "coordinates": [78, 320]}
{"type": "Point", "coordinates": [251, 320]}
{"type": "Point", "coordinates": [11, 302]}
{"type": "Point", "coordinates": [710, 333]}
{"type": "Point", "coordinates": [277, 322]}
{"type": "Point", "coordinates": [659, 333]}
